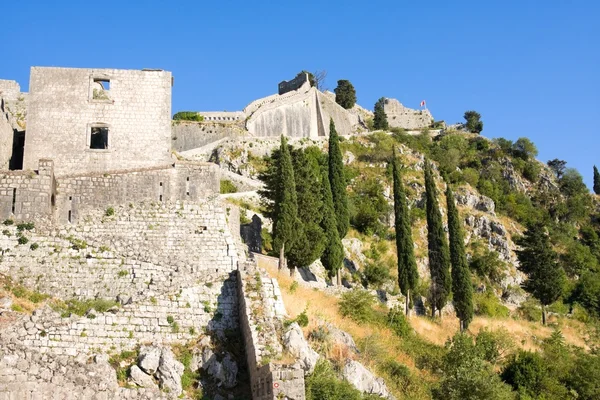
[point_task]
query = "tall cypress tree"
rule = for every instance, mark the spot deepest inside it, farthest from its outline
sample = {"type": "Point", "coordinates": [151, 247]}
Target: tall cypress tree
{"type": "Point", "coordinates": [337, 180]}
{"type": "Point", "coordinates": [462, 289]}
{"type": "Point", "coordinates": [408, 275]}
{"type": "Point", "coordinates": [310, 239]}
{"type": "Point", "coordinates": [379, 116]}
{"type": "Point", "coordinates": [333, 255]}
{"type": "Point", "coordinates": [285, 215]}
{"type": "Point", "coordinates": [437, 245]}
{"type": "Point", "coordinates": [596, 181]}
{"type": "Point", "coordinates": [538, 260]}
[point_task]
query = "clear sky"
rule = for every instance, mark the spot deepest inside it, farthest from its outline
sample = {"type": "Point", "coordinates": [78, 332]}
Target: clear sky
{"type": "Point", "coordinates": [530, 67]}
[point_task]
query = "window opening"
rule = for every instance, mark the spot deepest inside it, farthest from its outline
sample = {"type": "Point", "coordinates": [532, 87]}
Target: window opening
{"type": "Point", "coordinates": [14, 200]}
{"type": "Point", "coordinates": [69, 217]}
{"type": "Point", "coordinates": [99, 138]}
{"type": "Point", "coordinates": [100, 89]}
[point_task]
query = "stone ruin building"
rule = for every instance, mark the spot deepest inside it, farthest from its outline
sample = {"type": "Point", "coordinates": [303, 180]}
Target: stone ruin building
{"type": "Point", "coordinates": [94, 208]}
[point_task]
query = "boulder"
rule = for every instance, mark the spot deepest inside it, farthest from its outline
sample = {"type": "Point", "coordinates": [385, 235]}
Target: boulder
{"type": "Point", "coordinates": [224, 371]}
{"type": "Point", "coordinates": [149, 359]}
{"type": "Point", "coordinates": [296, 344]}
{"type": "Point", "coordinates": [140, 378]}
{"type": "Point", "coordinates": [362, 379]}
{"type": "Point", "coordinates": [169, 372]}
{"type": "Point", "coordinates": [5, 303]}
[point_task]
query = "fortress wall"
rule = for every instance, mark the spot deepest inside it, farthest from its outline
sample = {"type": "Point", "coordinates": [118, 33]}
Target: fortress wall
{"type": "Point", "coordinates": [6, 136]}
{"type": "Point", "coordinates": [344, 120]}
{"type": "Point", "coordinates": [191, 135]}
{"type": "Point", "coordinates": [261, 311]}
{"type": "Point", "coordinates": [63, 109]}
{"type": "Point", "coordinates": [149, 258]}
{"type": "Point", "coordinates": [27, 195]}
{"type": "Point", "coordinates": [223, 116]}
{"type": "Point", "coordinates": [399, 116]}
{"type": "Point", "coordinates": [9, 90]}
{"type": "Point", "coordinates": [179, 181]}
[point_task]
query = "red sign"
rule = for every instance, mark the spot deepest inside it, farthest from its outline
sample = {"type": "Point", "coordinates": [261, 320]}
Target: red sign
{"type": "Point", "coordinates": [276, 385]}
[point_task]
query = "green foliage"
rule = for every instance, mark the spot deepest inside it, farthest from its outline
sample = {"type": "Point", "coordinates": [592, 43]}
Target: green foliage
{"type": "Point", "coordinates": [323, 384]}
{"type": "Point", "coordinates": [494, 345]}
{"type": "Point", "coordinates": [34, 246]}
{"type": "Point", "coordinates": [285, 214]}
{"type": "Point", "coordinates": [398, 323]}
{"type": "Point", "coordinates": [530, 310]}
{"type": "Point", "coordinates": [587, 292]}
{"type": "Point", "coordinates": [486, 264]}
{"type": "Point", "coordinates": [345, 94]}
{"type": "Point", "coordinates": [110, 211]}
{"type": "Point", "coordinates": [408, 276]}
{"type": "Point", "coordinates": [188, 116]}
{"type": "Point", "coordinates": [333, 254]}
{"type": "Point", "coordinates": [25, 226]}
{"type": "Point", "coordinates": [376, 273]}
{"type": "Point", "coordinates": [310, 238]}
{"type": "Point", "coordinates": [557, 166]}
{"type": "Point", "coordinates": [358, 305]}
{"type": "Point", "coordinates": [596, 181]}
{"type": "Point", "coordinates": [22, 292]}
{"type": "Point", "coordinates": [466, 375]}
{"type": "Point", "coordinates": [524, 149]}
{"type": "Point", "coordinates": [473, 121]}
{"type": "Point", "coordinates": [369, 207]}
{"type": "Point", "coordinates": [526, 373]}
{"type": "Point", "coordinates": [337, 180]}
{"type": "Point", "coordinates": [83, 307]}
{"type": "Point", "coordinates": [462, 289]}
{"type": "Point", "coordinates": [488, 304]}
{"type": "Point", "coordinates": [437, 244]}
{"type": "Point", "coordinates": [545, 277]}
{"type": "Point", "coordinates": [227, 187]}
{"type": "Point", "coordinates": [8, 222]}
{"type": "Point", "coordinates": [23, 240]}
{"type": "Point", "coordinates": [380, 118]}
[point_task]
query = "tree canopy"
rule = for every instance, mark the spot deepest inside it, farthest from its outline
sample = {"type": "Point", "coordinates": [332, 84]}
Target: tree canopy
{"type": "Point", "coordinates": [345, 94]}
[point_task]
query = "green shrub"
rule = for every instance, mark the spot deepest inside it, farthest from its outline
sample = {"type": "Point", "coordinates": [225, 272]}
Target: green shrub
{"type": "Point", "coordinates": [109, 212]}
{"type": "Point", "coordinates": [34, 246]}
{"type": "Point", "coordinates": [530, 310]}
{"type": "Point", "coordinates": [188, 116]}
{"type": "Point", "coordinates": [8, 222]}
{"type": "Point", "coordinates": [26, 226]}
{"type": "Point", "coordinates": [323, 384]}
{"type": "Point", "coordinates": [376, 273]}
{"type": "Point", "coordinates": [170, 319]}
{"type": "Point", "coordinates": [6, 232]}
{"type": "Point", "coordinates": [358, 305]}
{"type": "Point", "coordinates": [227, 187]}
{"type": "Point", "coordinates": [293, 287]}
{"type": "Point", "coordinates": [81, 307]}
{"type": "Point", "coordinates": [23, 240]}
{"type": "Point", "coordinates": [397, 321]}
{"type": "Point", "coordinates": [488, 304]}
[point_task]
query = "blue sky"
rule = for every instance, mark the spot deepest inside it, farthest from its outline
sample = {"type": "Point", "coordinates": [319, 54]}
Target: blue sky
{"type": "Point", "coordinates": [531, 68]}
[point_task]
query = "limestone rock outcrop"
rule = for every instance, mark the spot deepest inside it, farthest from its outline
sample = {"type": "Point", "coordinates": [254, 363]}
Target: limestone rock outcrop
{"type": "Point", "coordinates": [362, 379]}
{"type": "Point", "coordinates": [297, 345]}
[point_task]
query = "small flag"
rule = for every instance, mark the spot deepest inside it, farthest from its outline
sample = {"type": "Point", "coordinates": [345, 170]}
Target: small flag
{"type": "Point", "coordinates": [423, 103]}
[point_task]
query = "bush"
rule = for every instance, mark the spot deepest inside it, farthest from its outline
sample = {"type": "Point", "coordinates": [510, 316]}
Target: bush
{"type": "Point", "coordinates": [488, 304]}
{"type": "Point", "coordinates": [227, 187]}
{"type": "Point", "coordinates": [81, 307]}
{"type": "Point", "coordinates": [376, 273]}
{"type": "Point", "coordinates": [23, 240]}
{"type": "Point", "coordinates": [358, 305]}
{"type": "Point", "coordinates": [530, 310]}
{"type": "Point", "coordinates": [26, 226]}
{"type": "Point", "coordinates": [526, 372]}
{"type": "Point", "coordinates": [109, 212]}
{"type": "Point", "coordinates": [397, 321]}
{"type": "Point", "coordinates": [323, 384]}
{"type": "Point", "coordinates": [188, 116]}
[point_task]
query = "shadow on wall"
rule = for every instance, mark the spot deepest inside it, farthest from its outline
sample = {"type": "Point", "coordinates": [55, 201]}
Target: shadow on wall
{"type": "Point", "coordinates": [16, 159]}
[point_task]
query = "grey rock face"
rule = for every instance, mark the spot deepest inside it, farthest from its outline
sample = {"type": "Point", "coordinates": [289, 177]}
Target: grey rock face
{"type": "Point", "coordinates": [140, 378]}
{"type": "Point", "coordinates": [5, 303]}
{"type": "Point", "coordinates": [169, 372]}
{"type": "Point", "coordinates": [297, 345]}
{"type": "Point", "coordinates": [476, 201]}
{"type": "Point", "coordinates": [363, 380]}
{"type": "Point", "coordinates": [149, 359]}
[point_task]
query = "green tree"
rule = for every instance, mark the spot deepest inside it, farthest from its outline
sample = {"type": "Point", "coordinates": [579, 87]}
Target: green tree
{"type": "Point", "coordinates": [337, 180]}
{"type": "Point", "coordinates": [524, 149]}
{"type": "Point", "coordinates": [437, 245]}
{"type": "Point", "coordinates": [462, 290]}
{"type": "Point", "coordinates": [596, 180]}
{"type": "Point", "coordinates": [526, 372]}
{"type": "Point", "coordinates": [408, 275]}
{"type": "Point", "coordinates": [473, 121]}
{"type": "Point", "coordinates": [545, 277]}
{"type": "Point", "coordinates": [380, 121]}
{"type": "Point", "coordinates": [345, 94]}
{"type": "Point", "coordinates": [333, 254]}
{"type": "Point", "coordinates": [285, 213]}
{"type": "Point", "coordinates": [310, 239]}
{"type": "Point", "coordinates": [557, 166]}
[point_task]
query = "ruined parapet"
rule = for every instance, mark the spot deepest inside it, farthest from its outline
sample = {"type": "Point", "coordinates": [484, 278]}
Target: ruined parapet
{"type": "Point", "coordinates": [98, 119]}
{"type": "Point", "coordinates": [188, 135]}
{"type": "Point", "coordinates": [399, 116]}
{"type": "Point", "coordinates": [261, 318]}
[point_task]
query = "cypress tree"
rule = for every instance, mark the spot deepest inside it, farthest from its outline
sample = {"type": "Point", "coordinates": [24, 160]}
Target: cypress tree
{"type": "Point", "coordinates": [333, 255]}
{"type": "Point", "coordinates": [462, 289]}
{"type": "Point", "coordinates": [408, 275]}
{"type": "Point", "coordinates": [380, 118]}
{"type": "Point", "coordinates": [310, 240]}
{"type": "Point", "coordinates": [285, 215]}
{"type": "Point", "coordinates": [538, 260]}
{"type": "Point", "coordinates": [337, 180]}
{"type": "Point", "coordinates": [345, 94]}
{"type": "Point", "coordinates": [437, 245]}
{"type": "Point", "coordinates": [596, 181]}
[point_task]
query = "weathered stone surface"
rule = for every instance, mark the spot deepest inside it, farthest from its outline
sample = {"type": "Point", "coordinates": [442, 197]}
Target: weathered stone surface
{"type": "Point", "coordinates": [363, 380]}
{"type": "Point", "coordinates": [399, 116]}
{"type": "Point", "coordinates": [5, 303]}
{"type": "Point", "coordinates": [297, 345]}
{"type": "Point", "coordinates": [169, 372]}
{"type": "Point", "coordinates": [149, 359]}
{"type": "Point", "coordinates": [140, 378]}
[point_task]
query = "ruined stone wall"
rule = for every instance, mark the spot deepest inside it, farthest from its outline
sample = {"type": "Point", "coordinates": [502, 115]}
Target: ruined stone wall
{"type": "Point", "coordinates": [294, 84]}
{"type": "Point", "coordinates": [223, 116]}
{"type": "Point", "coordinates": [27, 194]}
{"type": "Point", "coordinates": [399, 116]}
{"type": "Point", "coordinates": [63, 108]}
{"type": "Point", "coordinates": [179, 181]}
{"type": "Point", "coordinates": [10, 90]}
{"type": "Point", "coordinates": [191, 135]}
{"type": "Point", "coordinates": [261, 311]}
{"type": "Point", "coordinates": [6, 136]}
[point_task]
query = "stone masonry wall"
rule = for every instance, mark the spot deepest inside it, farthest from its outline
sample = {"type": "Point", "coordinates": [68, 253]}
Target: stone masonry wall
{"type": "Point", "coordinates": [6, 136]}
{"type": "Point", "coordinates": [261, 313]}
{"type": "Point", "coordinates": [399, 116]}
{"type": "Point", "coordinates": [62, 109]}
{"type": "Point", "coordinates": [191, 135]}
{"type": "Point", "coordinates": [27, 194]}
